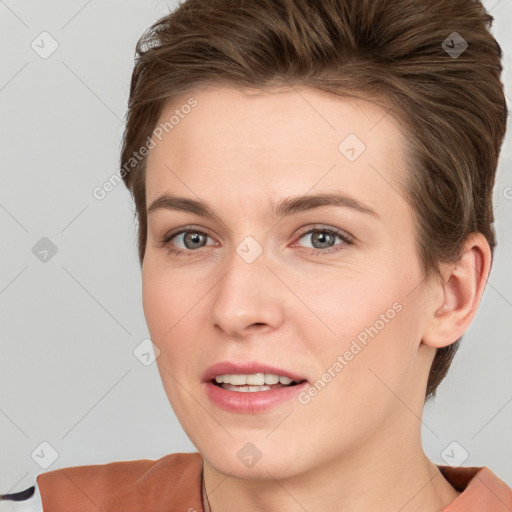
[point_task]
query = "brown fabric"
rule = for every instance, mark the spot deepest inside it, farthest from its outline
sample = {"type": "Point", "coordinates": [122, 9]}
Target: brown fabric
{"type": "Point", "coordinates": [173, 483]}
{"type": "Point", "coordinates": [164, 485]}
{"type": "Point", "coordinates": [482, 490]}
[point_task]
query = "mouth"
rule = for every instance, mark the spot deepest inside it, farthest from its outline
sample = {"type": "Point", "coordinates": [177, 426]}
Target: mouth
{"type": "Point", "coordinates": [253, 383]}
{"type": "Point", "coordinates": [250, 387]}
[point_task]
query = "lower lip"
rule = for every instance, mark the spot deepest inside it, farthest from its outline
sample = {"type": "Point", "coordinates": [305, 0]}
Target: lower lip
{"type": "Point", "coordinates": [251, 402]}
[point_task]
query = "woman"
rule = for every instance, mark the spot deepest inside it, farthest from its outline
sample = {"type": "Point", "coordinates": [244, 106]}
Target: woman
{"type": "Point", "coordinates": [313, 185]}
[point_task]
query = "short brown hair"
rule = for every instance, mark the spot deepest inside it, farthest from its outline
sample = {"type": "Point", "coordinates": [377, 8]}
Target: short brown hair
{"type": "Point", "coordinates": [406, 52]}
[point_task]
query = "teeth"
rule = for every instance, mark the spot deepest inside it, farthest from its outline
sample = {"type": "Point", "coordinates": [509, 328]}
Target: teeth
{"type": "Point", "coordinates": [254, 379]}
{"type": "Point", "coordinates": [270, 378]}
{"type": "Point", "coordinates": [245, 389]}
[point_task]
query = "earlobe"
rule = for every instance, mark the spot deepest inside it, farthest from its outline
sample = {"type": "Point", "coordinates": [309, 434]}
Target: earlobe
{"type": "Point", "coordinates": [461, 290]}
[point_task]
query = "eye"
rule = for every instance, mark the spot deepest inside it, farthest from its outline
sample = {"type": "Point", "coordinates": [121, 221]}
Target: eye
{"type": "Point", "coordinates": [323, 239]}
{"type": "Point", "coordinates": [191, 239]}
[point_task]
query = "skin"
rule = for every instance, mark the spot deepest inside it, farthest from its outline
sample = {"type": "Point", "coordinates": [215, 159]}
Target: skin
{"type": "Point", "coordinates": [241, 152]}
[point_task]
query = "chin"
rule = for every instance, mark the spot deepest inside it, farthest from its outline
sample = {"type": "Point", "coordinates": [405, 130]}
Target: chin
{"type": "Point", "coordinates": [252, 461]}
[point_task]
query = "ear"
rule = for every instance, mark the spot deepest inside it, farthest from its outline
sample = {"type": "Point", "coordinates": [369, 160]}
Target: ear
{"type": "Point", "coordinates": [456, 297]}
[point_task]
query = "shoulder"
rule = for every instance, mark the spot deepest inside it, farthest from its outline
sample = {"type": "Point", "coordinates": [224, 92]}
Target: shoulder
{"type": "Point", "coordinates": [480, 488]}
{"type": "Point", "coordinates": [133, 472]}
{"type": "Point", "coordinates": [174, 480]}
{"type": "Point", "coordinates": [171, 466]}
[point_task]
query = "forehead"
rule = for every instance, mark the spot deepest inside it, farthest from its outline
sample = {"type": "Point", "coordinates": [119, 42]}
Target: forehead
{"type": "Point", "coordinates": [257, 143]}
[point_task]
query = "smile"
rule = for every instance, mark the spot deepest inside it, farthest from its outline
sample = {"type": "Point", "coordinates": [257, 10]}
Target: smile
{"type": "Point", "coordinates": [254, 382]}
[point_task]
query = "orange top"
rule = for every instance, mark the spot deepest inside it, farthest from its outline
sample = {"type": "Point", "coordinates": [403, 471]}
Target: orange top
{"type": "Point", "coordinates": [173, 483]}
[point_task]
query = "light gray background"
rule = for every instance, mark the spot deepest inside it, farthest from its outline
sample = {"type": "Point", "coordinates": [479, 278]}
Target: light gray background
{"type": "Point", "coordinates": [69, 326]}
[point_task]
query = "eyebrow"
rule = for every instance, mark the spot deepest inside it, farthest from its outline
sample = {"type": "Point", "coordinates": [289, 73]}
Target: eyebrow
{"type": "Point", "coordinates": [285, 207]}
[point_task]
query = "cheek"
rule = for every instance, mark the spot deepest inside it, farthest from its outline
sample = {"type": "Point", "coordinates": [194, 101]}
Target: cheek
{"type": "Point", "coordinates": [158, 298]}
{"type": "Point", "coordinates": [341, 308]}
{"type": "Point", "coordinates": [369, 331]}
{"type": "Point", "coordinates": [361, 380]}
{"type": "Point", "coordinates": [159, 302]}
{"type": "Point", "coordinates": [170, 308]}
{"type": "Point", "coordinates": [153, 304]}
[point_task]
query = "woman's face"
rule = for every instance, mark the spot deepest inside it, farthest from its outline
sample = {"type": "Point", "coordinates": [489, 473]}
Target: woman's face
{"type": "Point", "coordinates": [332, 294]}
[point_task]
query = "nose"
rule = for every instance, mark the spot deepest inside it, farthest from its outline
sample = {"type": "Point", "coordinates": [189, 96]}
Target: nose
{"type": "Point", "coordinates": [248, 298]}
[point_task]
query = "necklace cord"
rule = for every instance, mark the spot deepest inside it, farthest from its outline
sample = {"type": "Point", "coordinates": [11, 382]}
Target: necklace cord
{"type": "Point", "coordinates": [203, 486]}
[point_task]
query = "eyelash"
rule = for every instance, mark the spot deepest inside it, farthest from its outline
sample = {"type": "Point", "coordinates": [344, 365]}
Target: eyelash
{"type": "Point", "coordinates": [346, 239]}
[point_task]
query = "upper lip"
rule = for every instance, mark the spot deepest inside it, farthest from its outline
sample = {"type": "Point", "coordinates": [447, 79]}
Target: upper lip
{"type": "Point", "coordinates": [246, 368]}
